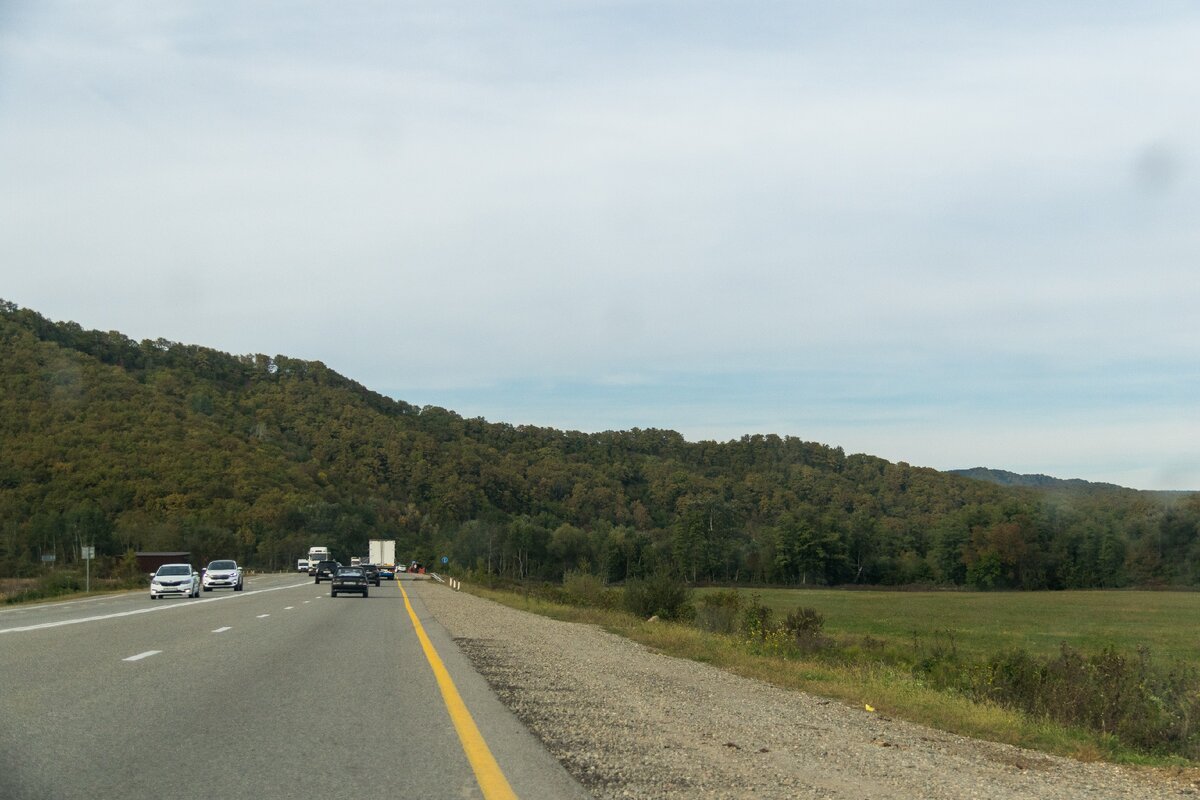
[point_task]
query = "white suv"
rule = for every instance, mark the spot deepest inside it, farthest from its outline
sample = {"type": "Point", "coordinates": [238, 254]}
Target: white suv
{"type": "Point", "coordinates": [223, 575]}
{"type": "Point", "coordinates": [179, 579]}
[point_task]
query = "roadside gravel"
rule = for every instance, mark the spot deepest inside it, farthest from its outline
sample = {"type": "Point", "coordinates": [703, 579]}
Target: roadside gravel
{"type": "Point", "coordinates": [628, 722]}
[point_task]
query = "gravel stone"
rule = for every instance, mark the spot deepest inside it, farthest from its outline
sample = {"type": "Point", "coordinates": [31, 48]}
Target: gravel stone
{"type": "Point", "coordinates": [629, 722]}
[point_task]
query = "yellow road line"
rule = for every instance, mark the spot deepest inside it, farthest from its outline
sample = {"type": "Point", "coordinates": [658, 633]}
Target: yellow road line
{"type": "Point", "coordinates": [491, 780]}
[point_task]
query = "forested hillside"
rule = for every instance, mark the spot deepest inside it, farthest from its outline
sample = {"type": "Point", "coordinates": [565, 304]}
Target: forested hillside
{"type": "Point", "coordinates": [157, 445]}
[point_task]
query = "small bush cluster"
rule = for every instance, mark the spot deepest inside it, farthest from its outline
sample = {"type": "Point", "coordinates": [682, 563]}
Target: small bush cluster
{"type": "Point", "coordinates": [589, 591]}
{"type": "Point", "coordinates": [805, 627]}
{"type": "Point", "coordinates": [756, 619]}
{"type": "Point", "coordinates": [1143, 705]}
{"type": "Point", "coordinates": [801, 632]}
{"type": "Point", "coordinates": [581, 589]}
{"type": "Point", "coordinates": [663, 596]}
{"type": "Point", "coordinates": [937, 663]}
{"type": "Point", "coordinates": [719, 612]}
{"type": "Point", "coordinates": [490, 580]}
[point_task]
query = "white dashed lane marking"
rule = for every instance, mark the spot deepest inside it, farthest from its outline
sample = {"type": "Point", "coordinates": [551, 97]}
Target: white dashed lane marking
{"type": "Point", "coordinates": [262, 616]}
{"type": "Point", "coordinates": [222, 630]}
{"type": "Point", "coordinates": [140, 656]}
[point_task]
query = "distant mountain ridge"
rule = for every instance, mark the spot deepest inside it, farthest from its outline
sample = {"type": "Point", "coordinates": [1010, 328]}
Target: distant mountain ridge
{"type": "Point", "coordinates": [1048, 483]}
{"type": "Point", "coordinates": [1036, 481]}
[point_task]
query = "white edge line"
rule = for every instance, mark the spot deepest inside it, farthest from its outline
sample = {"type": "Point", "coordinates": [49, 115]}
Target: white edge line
{"type": "Point", "coordinates": [64, 603]}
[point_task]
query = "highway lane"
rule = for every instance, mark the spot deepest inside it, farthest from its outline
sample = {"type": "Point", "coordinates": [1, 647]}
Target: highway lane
{"type": "Point", "coordinates": [276, 691]}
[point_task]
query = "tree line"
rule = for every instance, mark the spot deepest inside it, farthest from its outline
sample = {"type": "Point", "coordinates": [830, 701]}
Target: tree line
{"type": "Point", "coordinates": [157, 445]}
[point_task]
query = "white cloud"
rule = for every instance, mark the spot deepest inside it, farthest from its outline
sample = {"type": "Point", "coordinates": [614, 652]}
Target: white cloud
{"type": "Point", "coordinates": [464, 195]}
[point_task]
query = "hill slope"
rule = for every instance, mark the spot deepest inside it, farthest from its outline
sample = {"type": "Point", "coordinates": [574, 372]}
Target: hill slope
{"type": "Point", "coordinates": [161, 445]}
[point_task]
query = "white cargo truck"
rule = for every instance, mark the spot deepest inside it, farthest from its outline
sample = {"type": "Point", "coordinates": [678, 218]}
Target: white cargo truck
{"type": "Point", "coordinates": [382, 552]}
{"type": "Point", "coordinates": [316, 554]}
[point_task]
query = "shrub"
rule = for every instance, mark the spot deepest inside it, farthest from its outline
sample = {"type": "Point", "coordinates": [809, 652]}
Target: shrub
{"type": "Point", "coordinates": [661, 595]}
{"type": "Point", "coordinates": [127, 568]}
{"type": "Point", "coordinates": [585, 589]}
{"type": "Point", "coordinates": [937, 663]}
{"type": "Point", "coordinates": [718, 612]}
{"type": "Point", "coordinates": [805, 626]}
{"type": "Point", "coordinates": [1144, 706]}
{"type": "Point", "coordinates": [62, 583]}
{"type": "Point", "coordinates": [549, 592]}
{"type": "Point", "coordinates": [804, 621]}
{"type": "Point", "coordinates": [756, 619]}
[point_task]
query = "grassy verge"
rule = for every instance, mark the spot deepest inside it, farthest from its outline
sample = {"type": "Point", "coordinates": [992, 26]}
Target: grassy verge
{"type": "Point", "coordinates": [878, 674]}
{"type": "Point", "coordinates": [61, 586]}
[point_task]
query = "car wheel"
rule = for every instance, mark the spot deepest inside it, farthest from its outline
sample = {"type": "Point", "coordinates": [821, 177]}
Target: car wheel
{"type": "Point", "coordinates": [364, 592]}
{"type": "Point", "coordinates": [208, 588]}
{"type": "Point", "coordinates": [332, 593]}
{"type": "Point", "coordinates": [237, 588]}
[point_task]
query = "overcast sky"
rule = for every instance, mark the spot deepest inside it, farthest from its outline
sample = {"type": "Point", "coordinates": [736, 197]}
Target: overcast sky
{"type": "Point", "coordinates": [953, 234]}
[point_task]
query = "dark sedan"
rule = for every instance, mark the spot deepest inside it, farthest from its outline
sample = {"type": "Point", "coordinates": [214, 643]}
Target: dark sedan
{"type": "Point", "coordinates": [372, 573]}
{"type": "Point", "coordinates": [348, 579]}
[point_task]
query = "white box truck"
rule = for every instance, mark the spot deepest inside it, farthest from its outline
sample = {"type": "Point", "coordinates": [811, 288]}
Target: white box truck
{"type": "Point", "coordinates": [382, 552]}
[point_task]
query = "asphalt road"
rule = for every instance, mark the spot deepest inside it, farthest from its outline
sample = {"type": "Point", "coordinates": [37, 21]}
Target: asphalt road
{"type": "Point", "coordinates": [278, 691]}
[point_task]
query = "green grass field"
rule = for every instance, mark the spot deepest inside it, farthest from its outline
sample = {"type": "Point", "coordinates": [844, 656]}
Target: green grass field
{"type": "Point", "coordinates": [982, 623]}
{"type": "Point", "coordinates": [883, 674]}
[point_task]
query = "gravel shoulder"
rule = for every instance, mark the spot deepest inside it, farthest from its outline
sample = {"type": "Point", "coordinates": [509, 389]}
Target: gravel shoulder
{"type": "Point", "coordinates": [630, 722]}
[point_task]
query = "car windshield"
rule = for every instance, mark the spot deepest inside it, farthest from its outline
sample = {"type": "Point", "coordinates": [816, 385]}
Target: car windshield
{"type": "Point", "coordinates": [223, 565]}
{"type": "Point", "coordinates": [350, 571]}
{"type": "Point", "coordinates": [175, 569]}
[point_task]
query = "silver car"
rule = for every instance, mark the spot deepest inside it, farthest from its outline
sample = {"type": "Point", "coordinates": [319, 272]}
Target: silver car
{"type": "Point", "coordinates": [175, 579]}
{"type": "Point", "coordinates": [223, 574]}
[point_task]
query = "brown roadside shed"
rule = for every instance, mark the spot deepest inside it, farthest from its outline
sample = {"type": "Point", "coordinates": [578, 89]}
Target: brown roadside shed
{"type": "Point", "coordinates": [150, 562]}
